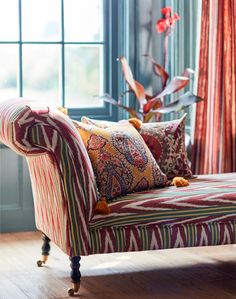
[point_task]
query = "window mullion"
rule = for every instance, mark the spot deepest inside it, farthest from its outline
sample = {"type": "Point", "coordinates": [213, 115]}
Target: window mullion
{"type": "Point", "coordinates": [20, 74]}
{"type": "Point", "coordinates": [62, 55]}
{"type": "Point", "coordinates": [109, 50]}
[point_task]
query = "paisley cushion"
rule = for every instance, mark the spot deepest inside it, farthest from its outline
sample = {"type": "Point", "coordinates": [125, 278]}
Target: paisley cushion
{"type": "Point", "coordinates": [166, 141]}
{"type": "Point", "coordinates": [121, 161]}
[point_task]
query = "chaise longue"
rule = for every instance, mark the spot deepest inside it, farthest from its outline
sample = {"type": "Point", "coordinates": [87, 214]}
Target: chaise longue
{"type": "Point", "coordinates": [65, 195]}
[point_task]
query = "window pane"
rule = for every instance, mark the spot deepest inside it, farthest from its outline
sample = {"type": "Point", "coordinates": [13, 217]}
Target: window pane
{"type": "Point", "coordinates": [41, 72]}
{"type": "Point", "coordinates": [83, 76]}
{"type": "Point", "coordinates": [83, 20]}
{"type": "Point", "coordinates": [9, 20]}
{"type": "Point", "coordinates": [8, 71]}
{"type": "Point", "coordinates": [41, 20]}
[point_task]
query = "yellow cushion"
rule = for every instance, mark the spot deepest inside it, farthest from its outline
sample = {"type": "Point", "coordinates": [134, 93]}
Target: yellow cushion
{"type": "Point", "coordinates": [99, 123]}
{"type": "Point", "coordinates": [121, 161]}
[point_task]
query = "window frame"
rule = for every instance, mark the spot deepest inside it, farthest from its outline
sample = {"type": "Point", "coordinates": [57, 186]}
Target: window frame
{"type": "Point", "coordinates": [110, 27]}
{"type": "Point", "coordinates": [107, 112]}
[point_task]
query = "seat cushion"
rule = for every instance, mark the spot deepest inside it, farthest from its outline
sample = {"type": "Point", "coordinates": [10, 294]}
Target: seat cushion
{"type": "Point", "coordinates": [208, 198]}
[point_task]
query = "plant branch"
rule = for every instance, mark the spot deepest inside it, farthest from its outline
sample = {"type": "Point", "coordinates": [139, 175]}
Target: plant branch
{"type": "Point", "coordinates": [165, 51]}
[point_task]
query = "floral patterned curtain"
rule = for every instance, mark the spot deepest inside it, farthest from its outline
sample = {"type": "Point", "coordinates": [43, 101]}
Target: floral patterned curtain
{"type": "Point", "coordinates": [214, 149]}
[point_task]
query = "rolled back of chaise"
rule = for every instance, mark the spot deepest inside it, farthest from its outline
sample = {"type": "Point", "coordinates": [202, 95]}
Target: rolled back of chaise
{"type": "Point", "coordinates": [63, 183]}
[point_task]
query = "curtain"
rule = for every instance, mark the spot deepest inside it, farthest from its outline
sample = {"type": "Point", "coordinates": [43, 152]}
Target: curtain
{"type": "Point", "coordinates": [214, 148]}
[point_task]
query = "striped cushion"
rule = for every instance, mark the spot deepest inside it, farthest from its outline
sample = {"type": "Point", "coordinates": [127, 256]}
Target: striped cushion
{"type": "Point", "coordinates": [207, 199]}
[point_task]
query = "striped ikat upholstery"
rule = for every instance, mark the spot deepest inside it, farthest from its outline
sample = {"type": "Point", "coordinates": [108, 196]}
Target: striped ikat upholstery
{"type": "Point", "coordinates": [63, 182]}
{"type": "Point", "coordinates": [65, 193]}
{"type": "Point", "coordinates": [207, 199]}
{"type": "Point", "coordinates": [204, 213]}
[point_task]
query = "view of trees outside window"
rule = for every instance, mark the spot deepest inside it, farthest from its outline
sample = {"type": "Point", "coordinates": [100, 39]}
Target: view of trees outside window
{"type": "Point", "coordinates": [52, 50]}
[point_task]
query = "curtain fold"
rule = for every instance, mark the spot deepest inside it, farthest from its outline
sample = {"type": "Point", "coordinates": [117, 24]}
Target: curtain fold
{"type": "Point", "coordinates": [214, 148]}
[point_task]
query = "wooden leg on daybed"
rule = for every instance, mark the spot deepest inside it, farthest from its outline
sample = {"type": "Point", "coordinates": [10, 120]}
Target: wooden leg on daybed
{"type": "Point", "coordinates": [45, 250]}
{"type": "Point", "coordinates": [75, 275]}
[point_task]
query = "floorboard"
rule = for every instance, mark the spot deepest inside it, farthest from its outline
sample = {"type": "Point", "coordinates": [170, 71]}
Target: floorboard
{"type": "Point", "coordinates": [186, 273]}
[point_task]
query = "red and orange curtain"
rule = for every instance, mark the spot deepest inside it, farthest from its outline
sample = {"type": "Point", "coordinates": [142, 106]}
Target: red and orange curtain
{"type": "Point", "coordinates": [214, 149]}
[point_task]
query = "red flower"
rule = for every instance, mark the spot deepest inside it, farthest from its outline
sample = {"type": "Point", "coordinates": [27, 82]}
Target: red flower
{"type": "Point", "coordinates": [161, 25]}
{"type": "Point", "coordinates": [169, 22]}
{"type": "Point", "coordinates": [166, 11]}
{"type": "Point", "coordinates": [164, 24]}
{"type": "Point", "coordinates": [176, 17]}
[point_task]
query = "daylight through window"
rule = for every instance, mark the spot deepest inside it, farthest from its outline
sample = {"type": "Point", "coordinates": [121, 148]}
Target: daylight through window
{"type": "Point", "coordinates": [52, 50]}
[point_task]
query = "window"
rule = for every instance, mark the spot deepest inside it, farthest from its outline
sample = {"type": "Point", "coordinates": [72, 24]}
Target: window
{"type": "Point", "coordinates": [55, 50]}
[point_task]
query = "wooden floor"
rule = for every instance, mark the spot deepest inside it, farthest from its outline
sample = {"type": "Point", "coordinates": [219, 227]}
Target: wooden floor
{"type": "Point", "coordinates": [191, 273]}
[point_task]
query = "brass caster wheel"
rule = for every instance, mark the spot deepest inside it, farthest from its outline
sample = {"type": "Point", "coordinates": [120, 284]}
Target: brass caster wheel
{"type": "Point", "coordinates": [39, 263]}
{"type": "Point", "coordinates": [42, 261]}
{"type": "Point", "coordinates": [75, 289]}
{"type": "Point", "coordinates": [71, 292]}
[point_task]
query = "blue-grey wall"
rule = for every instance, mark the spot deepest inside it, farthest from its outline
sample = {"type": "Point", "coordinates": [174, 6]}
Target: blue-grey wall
{"type": "Point", "coordinates": [16, 204]}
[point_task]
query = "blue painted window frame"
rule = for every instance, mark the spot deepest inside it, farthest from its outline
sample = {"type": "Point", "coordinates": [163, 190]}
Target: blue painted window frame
{"type": "Point", "coordinates": [108, 112]}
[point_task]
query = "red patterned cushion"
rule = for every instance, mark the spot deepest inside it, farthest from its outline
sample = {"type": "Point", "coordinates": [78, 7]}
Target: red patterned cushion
{"type": "Point", "coordinates": [166, 141]}
{"type": "Point", "coordinates": [121, 161]}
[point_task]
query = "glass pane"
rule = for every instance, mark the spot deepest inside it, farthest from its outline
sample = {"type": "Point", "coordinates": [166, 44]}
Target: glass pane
{"type": "Point", "coordinates": [8, 71]}
{"type": "Point", "coordinates": [83, 76]}
{"type": "Point", "coordinates": [9, 20]}
{"type": "Point", "coordinates": [41, 72]}
{"type": "Point", "coordinates": [41, 20]}
{"type": "Point", "coordinates": [83, 20]}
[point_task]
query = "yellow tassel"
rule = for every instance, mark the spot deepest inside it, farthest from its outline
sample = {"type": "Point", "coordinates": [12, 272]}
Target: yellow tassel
{"type": "Point", "coordinates": [180, 182]}
{"type": "Point", "coordinates": [102, 207]}
{"type": "Point", "coordinates": [135, 122]}
{"type": "Point", "coordinates": [63, 110]}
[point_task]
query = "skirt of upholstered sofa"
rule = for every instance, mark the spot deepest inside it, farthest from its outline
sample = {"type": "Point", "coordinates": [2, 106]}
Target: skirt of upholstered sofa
{"type": "Point", "coordinates": [152, 237]}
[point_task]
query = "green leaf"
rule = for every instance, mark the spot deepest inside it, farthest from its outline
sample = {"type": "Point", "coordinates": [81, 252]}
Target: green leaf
{"type": "Point", "coordinates": [183, 101]}
{"type": "Point", "coordinates": [187, 72]}
{"type": "Point", "coordinates": [151, 104]}
{"type": "Point", "coordinates": [158, 70]}
{"type": "Point", "coordinates": [108, 99]}
{"type": "Point", "coordinates": [135, 86]}
{"type": "Point", "coordinates": [176, 84]}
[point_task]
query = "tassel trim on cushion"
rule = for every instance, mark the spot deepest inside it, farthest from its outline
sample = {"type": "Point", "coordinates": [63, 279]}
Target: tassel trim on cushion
{"type": "Point", "coordinates": [180, 182]}
{"type": "Point", "coordinates": [135, 122]}
{"type": "Point", "coordinates": [63, 110]}
{"type": "Point", "coordinates": [102, 207]}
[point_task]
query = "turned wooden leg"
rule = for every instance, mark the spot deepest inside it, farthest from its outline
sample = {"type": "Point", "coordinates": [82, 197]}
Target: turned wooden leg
{"type": "Point", "coordinates": [75, 275]}
{"type": "Point", "coordinates": [45, 250]}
